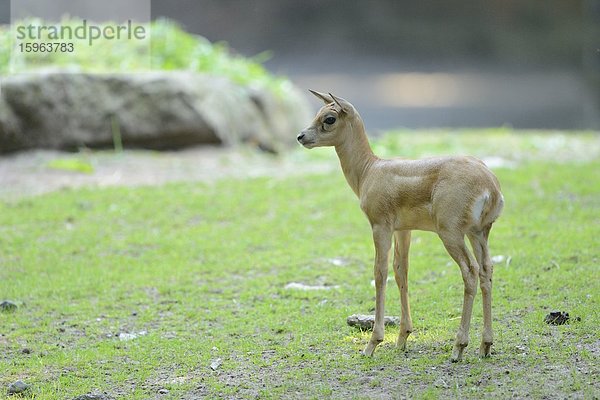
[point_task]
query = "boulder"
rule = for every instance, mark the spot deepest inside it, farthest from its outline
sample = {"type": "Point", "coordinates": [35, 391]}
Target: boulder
{"type": "Point", "coordinates": [154, 110]}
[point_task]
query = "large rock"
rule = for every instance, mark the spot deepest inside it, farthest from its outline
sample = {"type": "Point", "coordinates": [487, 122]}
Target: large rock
{"type": "Point", "coordinates": [157, 110]}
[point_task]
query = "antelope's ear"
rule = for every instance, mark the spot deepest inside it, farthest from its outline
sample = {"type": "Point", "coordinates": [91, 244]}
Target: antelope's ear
{"type": "Point", "coordinates": [327, 99]}
{"type": "Point", "coordinates": [343, 104]}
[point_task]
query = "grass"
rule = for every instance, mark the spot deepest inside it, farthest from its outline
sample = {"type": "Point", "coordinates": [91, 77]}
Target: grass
{"type": "Point", "coordinates": [169, 48]}
{"type": "Point", "coordinates": [71, 164]}
{"type": "Point", "coordinates": [197, 273]}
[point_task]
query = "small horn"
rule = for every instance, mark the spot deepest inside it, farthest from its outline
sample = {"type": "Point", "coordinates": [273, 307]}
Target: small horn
{"type": "Point", "coordinates": [339, 103]}
{"type": "Point", "coordinates": [322, 96]}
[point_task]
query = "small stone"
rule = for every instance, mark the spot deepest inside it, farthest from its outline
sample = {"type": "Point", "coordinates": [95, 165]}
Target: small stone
{"type": "Point", "coordinates": [366, 322]}
{"type": "Point", "coordinates": [26, 351]}
{"type": "Point", "coordinates": [302, 286]}
{"type": "Point", "coordinates": [339, 261]}
{"type": "Point", "coordinates": [216, 364]}
{"type": "Point", "coordinates": [8, 306]}
{"type": "Point", "coordinates": [92, 396]}
{"type": "Point", "coordinates": [557, 318]}
{"type": "Point", "coordinates": [498, 259]}
{"type": "Point", "coordinates": [17, 387]}
{"type": "Point", "coordinates": [124, 336]}
{"type": "Point", "coordinates": [163, 391]}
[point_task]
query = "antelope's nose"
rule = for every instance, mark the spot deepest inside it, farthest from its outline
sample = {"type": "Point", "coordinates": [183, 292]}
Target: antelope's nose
{"type": "Point", "coordinates": [300, 137]}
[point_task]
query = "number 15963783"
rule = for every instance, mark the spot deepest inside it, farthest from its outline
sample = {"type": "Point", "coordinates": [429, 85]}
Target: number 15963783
{"type": "Point", "coordinates": [46, 47]}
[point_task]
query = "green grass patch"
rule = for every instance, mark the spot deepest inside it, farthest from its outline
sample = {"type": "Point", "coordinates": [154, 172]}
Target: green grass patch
{"type": "Point", "coordinates": [197, 272]}
{"type": "Point", "coordinates": [170, 48]}
{"type": "Point", "coordinates": [71, 164]}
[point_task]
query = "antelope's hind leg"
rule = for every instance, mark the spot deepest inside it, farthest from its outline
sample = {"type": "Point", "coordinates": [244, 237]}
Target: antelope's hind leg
{"type": "Point", "coordinates": [456, 247]}
{"type": "Point", "coordinates": [400, 263]}
{"type": "Point", "coordinates": [479, 242]}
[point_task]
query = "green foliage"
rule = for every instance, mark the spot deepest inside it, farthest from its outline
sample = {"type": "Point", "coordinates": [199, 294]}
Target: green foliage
{"type": "Point", "coordinates": [202, 268]}
{"type": "Point", "coordinates": [169, 48]}
{"type": "Point", "coordinates": [71, 164]}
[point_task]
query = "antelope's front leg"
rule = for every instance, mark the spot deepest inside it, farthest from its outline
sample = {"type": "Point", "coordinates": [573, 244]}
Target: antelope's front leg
{"type": "Point", "coordinates": [400, 263]}
{"type": "Point", "coordinates": [382, 238]}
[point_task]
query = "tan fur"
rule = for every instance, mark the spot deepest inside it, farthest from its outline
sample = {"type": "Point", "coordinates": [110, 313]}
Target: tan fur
{"type": "Point", "coordinates": [452, 196]}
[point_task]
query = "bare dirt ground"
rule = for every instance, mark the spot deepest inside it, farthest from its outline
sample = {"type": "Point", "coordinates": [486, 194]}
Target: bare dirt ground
{"type": "Point", "coordinates": [30, 173]}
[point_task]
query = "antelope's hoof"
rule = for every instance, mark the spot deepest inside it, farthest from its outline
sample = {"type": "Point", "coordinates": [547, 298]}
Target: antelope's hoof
{"type": "Point", "coordinates": [369, 350]}
{"type": "Point", "coordinates": [457, 353]}
{"type": "Point", "coordinates": [402, 339]}
{"type": "Point", "coordinates": [371, 346]}
{"type": "Point", "coordinates": [401, 344]}
{"type": "Point", "coordinates": [485, 350]}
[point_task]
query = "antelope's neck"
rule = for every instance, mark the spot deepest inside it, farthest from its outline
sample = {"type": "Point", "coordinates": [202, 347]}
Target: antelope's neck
{"type": "Point", "coordinates": [356, 156]}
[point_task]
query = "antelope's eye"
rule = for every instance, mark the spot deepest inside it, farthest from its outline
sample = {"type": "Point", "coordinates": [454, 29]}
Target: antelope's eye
{"type": "Point", "coordinates": [329, 120]}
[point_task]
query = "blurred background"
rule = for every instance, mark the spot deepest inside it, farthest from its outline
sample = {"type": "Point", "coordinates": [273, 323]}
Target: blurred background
{"type": "Point", "coordinates": [451, 63]}
{"type": "Point", "coordinates": [419, 64]}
